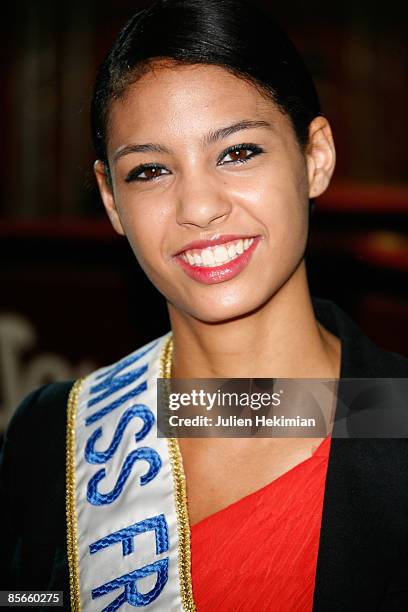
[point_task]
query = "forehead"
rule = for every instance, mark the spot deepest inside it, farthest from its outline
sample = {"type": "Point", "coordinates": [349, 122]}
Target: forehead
{"type": "Point", "coordinates": [182, 101]}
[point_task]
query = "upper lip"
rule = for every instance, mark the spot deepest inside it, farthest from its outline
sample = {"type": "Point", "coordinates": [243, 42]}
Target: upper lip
{"type": "Point", "coordinates": [213, 241]}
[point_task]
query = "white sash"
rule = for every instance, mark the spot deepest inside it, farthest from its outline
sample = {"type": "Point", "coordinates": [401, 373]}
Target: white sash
{"type": "Point", "coordinates": [128, 531]}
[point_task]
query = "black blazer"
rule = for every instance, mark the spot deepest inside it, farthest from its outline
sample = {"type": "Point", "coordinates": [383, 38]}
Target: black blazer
{"type": "Point", "coordinates": [363, 551]}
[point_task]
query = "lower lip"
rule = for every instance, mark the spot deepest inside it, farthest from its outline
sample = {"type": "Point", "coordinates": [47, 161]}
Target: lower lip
{"type": "Point", "coordinates": [218, 274]}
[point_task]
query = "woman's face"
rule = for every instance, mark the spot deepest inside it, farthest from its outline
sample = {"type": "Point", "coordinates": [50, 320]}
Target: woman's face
{"type": "Point", "coordinates": [210, 187]}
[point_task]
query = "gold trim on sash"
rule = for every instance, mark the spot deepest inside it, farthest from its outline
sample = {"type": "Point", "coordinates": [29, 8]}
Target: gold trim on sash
{"type": "Point", "coordinates": [72, 536]}
{"type": "Point", "coordinates": [179, 479]}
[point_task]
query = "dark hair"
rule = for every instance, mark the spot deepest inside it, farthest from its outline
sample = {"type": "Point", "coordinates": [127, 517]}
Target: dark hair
{"type": "Point", "coordinates": [235, 34]}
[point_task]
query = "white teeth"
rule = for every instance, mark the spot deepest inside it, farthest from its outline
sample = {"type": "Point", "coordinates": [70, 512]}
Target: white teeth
{"type": "Point", "coordinates": [231, 251]}
{"type": "Point", "coordinates": [207, 257]}
{"type": "Point", "coordinates": [220, 254]}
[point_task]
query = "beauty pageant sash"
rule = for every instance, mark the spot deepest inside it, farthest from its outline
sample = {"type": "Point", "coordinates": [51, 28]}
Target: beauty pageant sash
{"type": "Point", "coordinates": [128, 531]}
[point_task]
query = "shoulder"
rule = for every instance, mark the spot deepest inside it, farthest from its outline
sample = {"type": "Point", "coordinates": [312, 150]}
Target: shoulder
{"type": "Point", "coordinates": [47, 401]}
{"type": "Point", "coordinates": [361, 356]}
{"type": "Point", "coordinates": [395, 364]}
{"type": "Point", "coordinates": [39, 422]}
{"type": "Point", "coordinates": [45, 398]}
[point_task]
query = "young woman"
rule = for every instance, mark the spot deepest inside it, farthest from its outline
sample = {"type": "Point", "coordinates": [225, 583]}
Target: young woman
{"type": "Point", "coordinates": [211, 147]}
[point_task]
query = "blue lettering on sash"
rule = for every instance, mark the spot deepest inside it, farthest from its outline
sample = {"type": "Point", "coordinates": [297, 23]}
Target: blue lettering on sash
{"type": "Point", "coordinates": [127, 536]}
{"type": "Point", "coordinates": [115, 404]}
{"type": "Point", "coordinates": [148, 454]}
{"type": "Point", "coordinates": [106, 384]}
{"type": "Point", "coordinates": [139, 410]}
{"type": "Point", "coordinates": [112, 384]}
{"type": "Point", "coordinates": [131, 595]}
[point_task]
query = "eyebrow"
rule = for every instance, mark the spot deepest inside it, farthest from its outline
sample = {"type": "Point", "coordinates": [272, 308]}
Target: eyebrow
{"type": "Point", "coordinates": [245, 124]}
{"type": "Point", "coordinates": [210, 138]}
{"type": "Point", "coordinates": [149, 147]}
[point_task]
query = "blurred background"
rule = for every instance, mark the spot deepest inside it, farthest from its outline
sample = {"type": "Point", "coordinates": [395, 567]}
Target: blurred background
{"type": "Point", "coordinates": [72, 296]}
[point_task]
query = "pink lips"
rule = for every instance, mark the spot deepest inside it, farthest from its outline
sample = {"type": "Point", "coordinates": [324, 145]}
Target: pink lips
{"type": "Point", "coordinates": [220, 273]}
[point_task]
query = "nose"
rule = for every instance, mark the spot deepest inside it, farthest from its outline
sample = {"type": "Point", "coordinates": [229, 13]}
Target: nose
{"type": "Point", "coordinates": [201, 203]}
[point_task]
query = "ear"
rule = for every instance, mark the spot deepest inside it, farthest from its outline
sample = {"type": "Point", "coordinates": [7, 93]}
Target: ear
{"type": "Point", "coordinates": [106, 191]}
{"type": "Point", "coordinates": [320, 155]}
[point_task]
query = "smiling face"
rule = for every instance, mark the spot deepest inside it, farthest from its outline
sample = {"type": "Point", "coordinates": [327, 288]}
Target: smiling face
{"type": "Point", "coordinates": [211, 188]}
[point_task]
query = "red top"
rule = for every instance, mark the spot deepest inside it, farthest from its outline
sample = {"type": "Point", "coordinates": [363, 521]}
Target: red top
{"type": "Point", "coordinates": [259, 553]}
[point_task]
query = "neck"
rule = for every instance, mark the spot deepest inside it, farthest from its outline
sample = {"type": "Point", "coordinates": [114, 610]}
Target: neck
{"type": "Point", "coordinates": [282, 339]}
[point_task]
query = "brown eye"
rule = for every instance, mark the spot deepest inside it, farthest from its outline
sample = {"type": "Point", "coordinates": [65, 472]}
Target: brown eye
{"type": "Point", "coordinates": [241, 153]}
{"type": "Point", "coordinates": [145, 173]}
{"type": "Point", "coordinates": [152, 172]}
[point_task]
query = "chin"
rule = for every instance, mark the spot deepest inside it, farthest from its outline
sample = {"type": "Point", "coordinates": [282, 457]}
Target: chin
{"type": "Point", "coordinates": [223, 311]}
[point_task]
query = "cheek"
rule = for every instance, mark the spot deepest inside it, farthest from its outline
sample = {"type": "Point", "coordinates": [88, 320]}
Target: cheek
{"type": "Point", "coordinates": [144, 231]}
{"type": "Point", "coordinates": [278, 200]}
{"type": "Point", "coordinates": [282, 208]}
